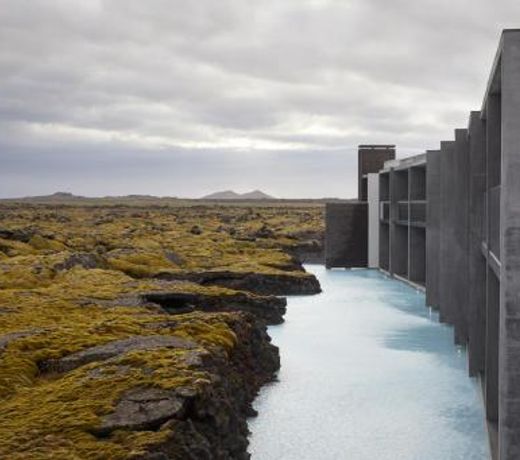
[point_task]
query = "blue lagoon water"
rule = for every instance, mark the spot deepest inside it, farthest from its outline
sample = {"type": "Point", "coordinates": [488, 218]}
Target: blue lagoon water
{"type": "Point", "coordinates": [367, 373]}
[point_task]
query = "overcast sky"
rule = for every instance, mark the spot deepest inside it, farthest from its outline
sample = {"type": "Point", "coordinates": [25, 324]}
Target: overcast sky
{"type": "Point", "coordinates": [183, 98]}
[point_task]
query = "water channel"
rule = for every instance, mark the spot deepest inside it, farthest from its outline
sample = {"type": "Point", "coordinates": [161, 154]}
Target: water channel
{"type": "Point", "coordinates": [368, 372]}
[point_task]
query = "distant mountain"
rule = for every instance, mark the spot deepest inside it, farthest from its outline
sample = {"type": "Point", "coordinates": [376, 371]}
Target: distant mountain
{"type": "Point", "coordinates": [256, 195]}
{"type": "Point", "coordinates": [58, 196]}
{"type": "Point", "coordinates": [231, 195]}
{"type": "Point", "coordinates": [225, 195]}
{"type": "Point", "coordinates": [64, 198]}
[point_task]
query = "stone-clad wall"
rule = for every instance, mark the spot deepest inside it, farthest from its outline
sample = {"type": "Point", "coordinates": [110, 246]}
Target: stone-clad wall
{"type": "Point", "coordinates": [346, 235]}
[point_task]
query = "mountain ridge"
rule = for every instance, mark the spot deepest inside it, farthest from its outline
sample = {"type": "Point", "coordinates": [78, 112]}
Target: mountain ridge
{"type": "Point", "coordinates": [232, 195]}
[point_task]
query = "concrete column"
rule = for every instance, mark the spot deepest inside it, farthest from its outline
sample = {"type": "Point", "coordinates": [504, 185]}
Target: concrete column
{"type": "Point", "coordinates": [398, 232]}
{"type": "Point", "coordinates": [477, 262]}
{"type": "Point", "coordinates": [509, 345]}
{"type": "Point", "coordinates": [491, 388]}
{"type": "Point", "coordinates": [373, 219]}
{"type": "Point", "coordinates": [491, 372]}
{"type": "Point", "coordinates": [417, 230]}
{"type": "Point", "coordinates": [447, 268]}
{"type": "Point", "coordinates": [460, 243]}
{"type": "Point", "coordinates": [384, 226]}
{"type": "Point", "coordinates": [433, 195]}
{"type": "Point", "coordinates": [453, 279]}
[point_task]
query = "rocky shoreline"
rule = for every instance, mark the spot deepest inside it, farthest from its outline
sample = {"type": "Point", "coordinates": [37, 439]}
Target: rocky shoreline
{"type": "Point", "coordinates": [270, 309]}
{"type": "Point", "coordinates": [214, 424]}
{"type": "Point", "coordinates": [205, 416]}
{"type": "Point", "coordinates": [266, 284]}
{"type": "Point", "coordinates": [124, 334]}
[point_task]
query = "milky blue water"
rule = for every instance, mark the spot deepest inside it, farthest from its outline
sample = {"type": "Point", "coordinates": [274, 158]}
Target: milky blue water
{"type": "Point", "coordinates": [367, 373]}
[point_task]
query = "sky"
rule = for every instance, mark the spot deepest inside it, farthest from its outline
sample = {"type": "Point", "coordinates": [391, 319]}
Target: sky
{"type": "Point", "coordinates": [184, 98]}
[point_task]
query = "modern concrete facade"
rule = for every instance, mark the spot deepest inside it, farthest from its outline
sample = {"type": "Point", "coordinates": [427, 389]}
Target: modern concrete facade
{"type": "Point", "coordinates": [449, 222]}
{"type": "Point", "coordinates": [401, 207]}
{"type": "Point", "coordinates": [346, 238]}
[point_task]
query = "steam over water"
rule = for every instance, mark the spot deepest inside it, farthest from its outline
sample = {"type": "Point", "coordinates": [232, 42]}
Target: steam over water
{"type": "Point", "coordinates": [368, 373]}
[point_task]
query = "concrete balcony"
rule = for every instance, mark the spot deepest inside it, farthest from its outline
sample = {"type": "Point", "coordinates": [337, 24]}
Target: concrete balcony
{"type": "Point", "coordinates": [418, 213]}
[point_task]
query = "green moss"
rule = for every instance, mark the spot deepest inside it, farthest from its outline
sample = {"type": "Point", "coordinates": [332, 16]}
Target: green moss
{"type": "Point", "coordinates": [49, 310]}
{"type": "Point", "coordinates": [15, 248]}
{"type": "Point", "coordinates": [39, 242]}
{"type": "Point", "coordinates": [140, 265]}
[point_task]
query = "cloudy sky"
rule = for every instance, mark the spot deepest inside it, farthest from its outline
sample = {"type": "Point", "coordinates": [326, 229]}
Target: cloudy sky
{"type": "Point", "coordinates": [183, 97]}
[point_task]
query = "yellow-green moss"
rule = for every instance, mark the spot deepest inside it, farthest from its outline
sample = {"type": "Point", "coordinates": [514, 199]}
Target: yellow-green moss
{"type": "Point", "coordinates": [39, 242]}
{"type": "Point", "coordinates": [48, 312]}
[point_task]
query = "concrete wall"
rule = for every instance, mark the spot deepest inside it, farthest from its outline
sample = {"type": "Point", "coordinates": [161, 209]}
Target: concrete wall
{"type": "Point", "coordinates": [476, 260]}
{"type": "Point", "coordinates": [433, 194]}
{"type": "Point", "coordinates": [418, 183]}
{"type": "Point", "coordinates": [493, 119]}
{"type": "Point", "coordinates": [460, 201]}
{"type": "Point", "coordinates": [384, 224]}
{"type": "Point", "coordinates": [346, 235]}
{"type": "Point", "coordinates": [371, 159]}
{"type": "Point", "coordinates": [384, 246]}
{"type": "Point", "coordinates": [454, 220]}
{"type": "Point", "coordinates": [447, 270]}
{"type": "Point", "coordinates": [417, 255]}
{"type": "Point", "coordinates": [373, 220]}
{"type": "Point", "coordinates": [509, 341]}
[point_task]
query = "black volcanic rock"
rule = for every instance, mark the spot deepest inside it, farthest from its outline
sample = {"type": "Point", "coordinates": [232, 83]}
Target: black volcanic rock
{"type": "Point", "coordinates": [259, 283]}
{"type": "Point", "coordinates": [271, 309]}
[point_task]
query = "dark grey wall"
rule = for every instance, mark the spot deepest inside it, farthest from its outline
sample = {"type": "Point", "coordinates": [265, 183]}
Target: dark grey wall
{"type": "Point", "coordinates": [417, 255]}
{"type": "Point", "coordinates": [460, 202]}
{"type": "Point", "coordinates": [476, 261]}
{"type": "Point", "coordinates": [371, 159]}
{"type": "Point", "coordinates": [509, 343]}
{"type": "Point", "coordinates": [492, 321]}
{"type": "Point", "coordinates": [384, 246]}
{"type": "Point", "coordinates": [346, 235]}
{"type": "Point", "coordinates": [418, 183]}
{"type": "Point", "coordinates": [398, 232]}
{"type": "Point", "coordinates": [433, 194]}
{"type": "Point", "coordinates": [454, 273]}
{"type": "Point", "coordinates": [447, 271]}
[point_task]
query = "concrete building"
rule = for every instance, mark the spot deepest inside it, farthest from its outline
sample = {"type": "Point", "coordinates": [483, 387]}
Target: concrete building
{"type": "Point", "coordinates": [401, 202]}
{"type": "Point", "coordinates": [346, 234]}
{"type": "Point", "coordinates": [448, 221]}
{"type": "Point", "coordinates": [371, 159]}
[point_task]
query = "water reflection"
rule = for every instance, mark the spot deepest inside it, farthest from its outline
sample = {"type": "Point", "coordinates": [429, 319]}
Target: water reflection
{"type": "Point", "coordinates": [367, 373]}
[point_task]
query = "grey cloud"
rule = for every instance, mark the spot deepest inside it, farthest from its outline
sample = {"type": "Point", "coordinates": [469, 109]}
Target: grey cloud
{"type": "Point", "coordinates": [231, 89]}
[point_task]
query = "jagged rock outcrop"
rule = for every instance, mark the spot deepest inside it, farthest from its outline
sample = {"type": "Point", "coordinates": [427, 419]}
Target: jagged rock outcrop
{"type": "Point", "coordinates": [96, 359]}
{"type": "Point", "coordinates": [269, 308]}
{"type": "Point", "coordinates": [258, 283]}
{"type": "Point", "coordinates": [143, 409]}
{"type": "Point", "coordinates": [111, 349]}
{"type": "Point", "coordinates": [210, 424]}
{"type": "Point", "coordinates": [184, 394]}
{"type": "Point", "coordinates": [83, 259]}
{"type": "Point", "coordinates": [308, 247]}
